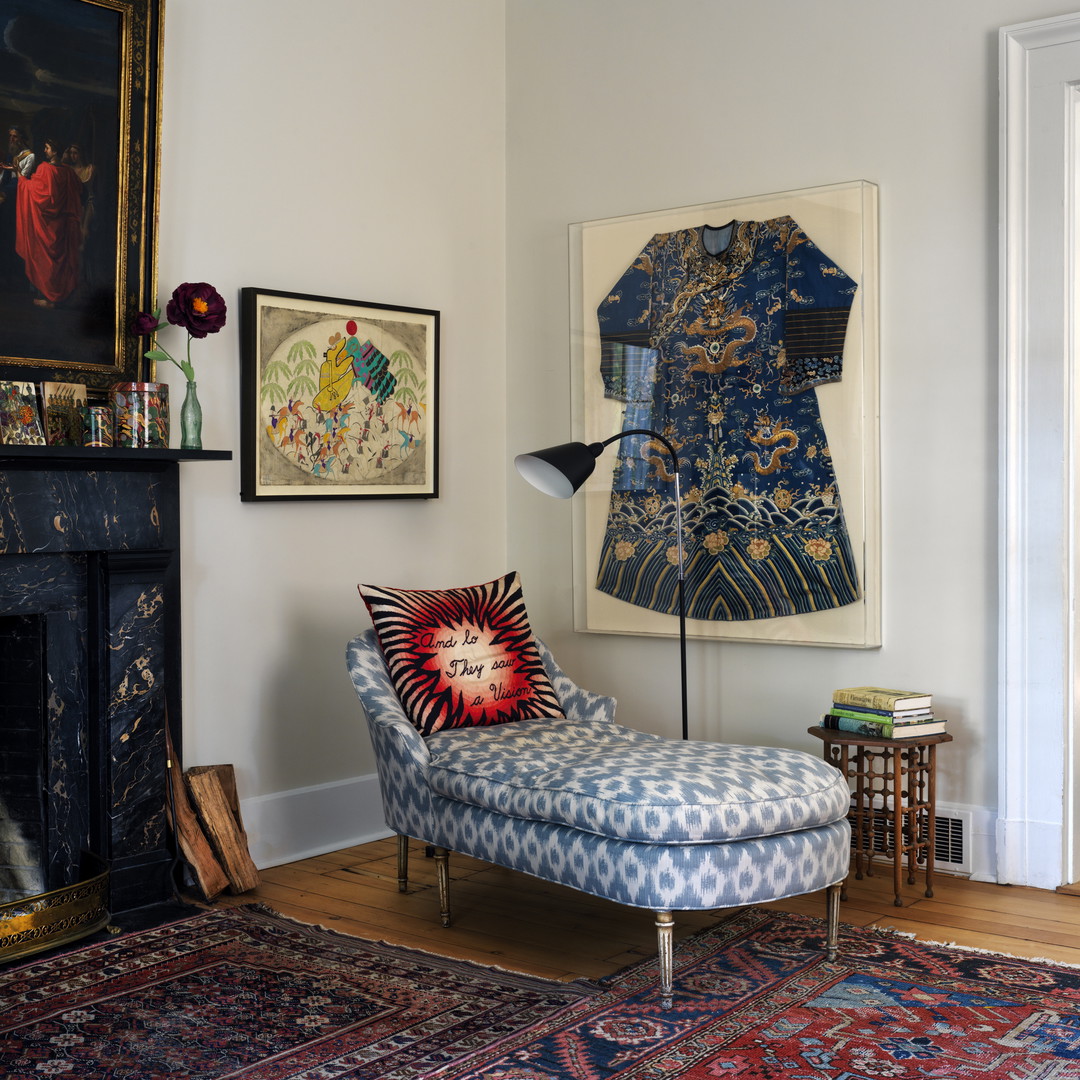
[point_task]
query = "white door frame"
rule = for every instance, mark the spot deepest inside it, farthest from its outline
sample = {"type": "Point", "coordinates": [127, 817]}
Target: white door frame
{"type": "Point", "coordinates": [1040, 113]}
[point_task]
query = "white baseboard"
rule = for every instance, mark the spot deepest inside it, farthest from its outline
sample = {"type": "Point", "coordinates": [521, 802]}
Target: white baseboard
{"type": "Point", "coordinates": [1030, 853]}
{"type": "Point", "coordinates": [981, 843]}
{"type": "Point", "coordinates": [298, 824]}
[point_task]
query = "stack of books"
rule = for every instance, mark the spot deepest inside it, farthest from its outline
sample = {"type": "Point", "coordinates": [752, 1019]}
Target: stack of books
{"type": "Point", "coordinates": [882, 713]}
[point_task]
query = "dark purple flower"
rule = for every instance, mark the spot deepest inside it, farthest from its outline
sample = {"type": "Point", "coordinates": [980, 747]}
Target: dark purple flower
{"type": "Point", "coordinates": [145, 322]}
{"type": "Point", "coordinates": [198, 308]}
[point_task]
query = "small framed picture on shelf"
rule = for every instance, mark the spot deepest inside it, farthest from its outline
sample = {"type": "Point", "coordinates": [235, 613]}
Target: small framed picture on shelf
{"type": "Point", "coordinates": [20, 415]}
{"type": "Point", "coordinates": [338, 398]}
{"type": "Point", "coordinates": [64, 412]}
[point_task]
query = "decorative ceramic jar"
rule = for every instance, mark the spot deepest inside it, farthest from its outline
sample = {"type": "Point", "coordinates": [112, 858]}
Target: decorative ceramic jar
{"type": "Point", "coordinates": [142, 414]}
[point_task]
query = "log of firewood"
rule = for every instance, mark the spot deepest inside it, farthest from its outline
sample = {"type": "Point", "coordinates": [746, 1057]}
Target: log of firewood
{"type": "Point", "coordinates": [213, 791]}
{"type": "Point", "coordinates": [194, 846]}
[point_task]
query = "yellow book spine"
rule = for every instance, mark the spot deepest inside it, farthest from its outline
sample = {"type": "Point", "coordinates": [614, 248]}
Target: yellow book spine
{"type": "Point", "coordinates": [871, 698]}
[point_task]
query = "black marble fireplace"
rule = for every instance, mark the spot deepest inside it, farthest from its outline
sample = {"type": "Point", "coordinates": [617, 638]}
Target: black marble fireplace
{"type": "Point", "coordinates": [89, 665]}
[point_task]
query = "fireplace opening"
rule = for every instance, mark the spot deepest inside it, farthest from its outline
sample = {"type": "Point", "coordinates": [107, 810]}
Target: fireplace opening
{"type": "Point", "coordinates": [23, 741]}
{"type": "Point", "coordinates": [52, 889]}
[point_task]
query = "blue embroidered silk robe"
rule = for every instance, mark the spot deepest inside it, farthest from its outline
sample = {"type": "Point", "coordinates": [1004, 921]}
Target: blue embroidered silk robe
{"type": "Point", "coordinates": [716, 337]}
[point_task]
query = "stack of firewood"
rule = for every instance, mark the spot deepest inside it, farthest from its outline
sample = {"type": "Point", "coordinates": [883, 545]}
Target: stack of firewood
{"type": "Point", "coordinates": [206, 822]}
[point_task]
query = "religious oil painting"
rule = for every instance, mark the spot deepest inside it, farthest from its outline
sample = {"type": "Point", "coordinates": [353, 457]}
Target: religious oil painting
{"type": "Point", "coordinates": [745, 333]}
{"type": "Point", "coordinates": [79, 105]}
{"type": "Point", "coordinates": [339, 398]}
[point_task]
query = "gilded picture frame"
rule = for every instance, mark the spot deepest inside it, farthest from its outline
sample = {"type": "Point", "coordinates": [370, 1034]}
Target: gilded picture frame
{"type": "Point", "coordinates": [842, 220]}
{"type": "Point", "coordinates": [80, 91]}
{"type": "Point", "coordinates": [338, 399]}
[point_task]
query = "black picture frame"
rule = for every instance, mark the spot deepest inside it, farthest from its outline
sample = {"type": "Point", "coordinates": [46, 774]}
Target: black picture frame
{"type": "Point", "coordinates": [86, 74]}
{"type": "Point", "coordinates": [338, 398]}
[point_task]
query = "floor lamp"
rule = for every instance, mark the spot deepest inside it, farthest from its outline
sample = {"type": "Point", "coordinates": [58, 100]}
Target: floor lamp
{"type": "Point", "coordinates": [560, 471]}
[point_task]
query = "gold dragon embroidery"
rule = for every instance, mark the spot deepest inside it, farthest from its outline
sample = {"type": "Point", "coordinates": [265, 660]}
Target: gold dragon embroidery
{"type": "Point", "coordinates": [716, 323]}
{"type": "Point", "coordinates": [769, 434]}
{"type": "Point", "coordinates": [656, 455]}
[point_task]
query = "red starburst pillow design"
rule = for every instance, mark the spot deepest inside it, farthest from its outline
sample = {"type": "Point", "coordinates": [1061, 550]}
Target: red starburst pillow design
{"type": "Point", "coordinates": [462, 657]}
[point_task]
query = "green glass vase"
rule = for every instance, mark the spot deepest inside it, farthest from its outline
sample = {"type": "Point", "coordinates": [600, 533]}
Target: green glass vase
{"type": "Point", "coordinates": [191, 420]}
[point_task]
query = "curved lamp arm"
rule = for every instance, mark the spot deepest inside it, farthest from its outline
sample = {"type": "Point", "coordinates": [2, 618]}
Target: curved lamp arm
{"type": "Point", "coordinates": [560, 471]}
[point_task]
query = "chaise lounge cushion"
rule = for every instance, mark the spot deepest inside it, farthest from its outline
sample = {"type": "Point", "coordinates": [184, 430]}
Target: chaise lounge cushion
{"type": "Point", "coordinates": [629, 785]}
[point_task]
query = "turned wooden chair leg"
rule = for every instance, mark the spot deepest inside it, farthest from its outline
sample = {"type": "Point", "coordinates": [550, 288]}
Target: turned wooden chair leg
{"type": "Point", "coordinates": [442, 869]}
{"type": "Point", "coordinates": [832, 920]}
{"type": "Point", "coordinates": [665, 933]}
{"type": "Point", "coordinates": [403, 863]}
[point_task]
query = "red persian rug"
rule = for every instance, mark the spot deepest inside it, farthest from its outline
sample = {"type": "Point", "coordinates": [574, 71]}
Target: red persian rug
{"type": "Point", "coordinates": [756, 999]}
{"type": "Point", "coordinates": [244, 993]}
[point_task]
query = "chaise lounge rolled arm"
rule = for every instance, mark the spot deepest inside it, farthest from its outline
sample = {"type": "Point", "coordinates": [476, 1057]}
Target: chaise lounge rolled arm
{"type": "Point", "coordinates": [648, 822]}
{"type": "Point", "coordinates": [401, 754]}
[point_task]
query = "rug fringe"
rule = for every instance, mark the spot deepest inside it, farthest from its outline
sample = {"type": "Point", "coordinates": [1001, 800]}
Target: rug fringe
{"type": "Point", "coordinates": [907, 934]}
{"type": "Point", "coordinates": [993, 952]}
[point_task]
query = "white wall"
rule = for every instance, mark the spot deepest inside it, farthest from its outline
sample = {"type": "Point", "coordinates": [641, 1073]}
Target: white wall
{"type": "Point", "coordinates": [626, 106]}
{"type": "Point", "coordinates": [433, 154]}
{"type": "Point", "coordinates": [346, 148]}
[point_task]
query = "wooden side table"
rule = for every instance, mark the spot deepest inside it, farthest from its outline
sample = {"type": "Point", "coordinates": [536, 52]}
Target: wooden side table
{"type": "Point", "coordinates": [894, 801]}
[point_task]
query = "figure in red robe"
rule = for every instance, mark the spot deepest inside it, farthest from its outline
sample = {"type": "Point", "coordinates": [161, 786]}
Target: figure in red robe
{"type": "Point", "coordinates": [48, 227]}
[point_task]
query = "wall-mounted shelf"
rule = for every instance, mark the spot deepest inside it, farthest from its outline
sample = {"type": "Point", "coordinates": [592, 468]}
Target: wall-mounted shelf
{"type": "Point", "coordinates": [114, 455]}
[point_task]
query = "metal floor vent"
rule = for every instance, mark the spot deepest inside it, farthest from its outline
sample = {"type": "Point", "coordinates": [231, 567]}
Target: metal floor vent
{"type": "Point", "coordinates": [952, 839]}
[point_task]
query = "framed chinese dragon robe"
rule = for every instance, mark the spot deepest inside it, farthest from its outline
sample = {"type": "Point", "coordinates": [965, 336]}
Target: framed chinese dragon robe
{"type": "Point", "coordinates": [739, 330]}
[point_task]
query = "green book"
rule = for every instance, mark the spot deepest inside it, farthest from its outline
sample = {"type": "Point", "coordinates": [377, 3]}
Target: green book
{"type": "Point", "coordinates": [881, 731]}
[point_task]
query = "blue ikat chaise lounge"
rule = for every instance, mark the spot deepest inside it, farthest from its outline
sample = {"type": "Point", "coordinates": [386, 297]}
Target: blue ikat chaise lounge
{"type": "Point", "coordinates": [645, 821]}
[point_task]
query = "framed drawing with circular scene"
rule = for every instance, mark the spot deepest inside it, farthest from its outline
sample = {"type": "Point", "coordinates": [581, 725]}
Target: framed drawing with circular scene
{"type": "Point", "coordinates": [339, 398]}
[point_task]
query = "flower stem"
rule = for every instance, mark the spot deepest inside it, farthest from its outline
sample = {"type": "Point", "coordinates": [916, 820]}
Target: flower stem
{"type": "Point", "coordinates": [157, 353]}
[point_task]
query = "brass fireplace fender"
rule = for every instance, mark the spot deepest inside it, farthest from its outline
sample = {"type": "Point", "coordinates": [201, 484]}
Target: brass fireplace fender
{"type": "Point", "coordinates": [56, 918]}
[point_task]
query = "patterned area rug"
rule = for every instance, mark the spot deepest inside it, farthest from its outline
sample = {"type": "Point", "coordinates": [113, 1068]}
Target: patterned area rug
{"type": "Point", "coordinates": [756, 999]}
{"type": "Point", "coordinates": [244, 993]}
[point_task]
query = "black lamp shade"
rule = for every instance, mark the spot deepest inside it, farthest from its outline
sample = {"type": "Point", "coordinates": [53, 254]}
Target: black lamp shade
{"type": "Point", "coordinates": [559, 470]}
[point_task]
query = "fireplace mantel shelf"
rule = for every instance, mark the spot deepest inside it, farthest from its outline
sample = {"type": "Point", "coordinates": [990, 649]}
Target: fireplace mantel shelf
{"type": "Point", "coordinates": [109, 456]}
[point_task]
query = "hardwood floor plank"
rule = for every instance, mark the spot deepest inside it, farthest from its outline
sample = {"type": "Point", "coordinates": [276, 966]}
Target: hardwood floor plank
{"type": "Point", "coordinates": [539, 936]}
{"type": "Point", "coordinates": [994, 943]}
{"type": "Point", "coordinates": [443, 946]}
{"type": "Point", "coordinates": [515, 921]}
{"type": "Point", "coordinates": [1005, 899]}
{"type": "Point", "coordinates": [432, 937]}
{"type": "Point", "coordinates": [978, 920]}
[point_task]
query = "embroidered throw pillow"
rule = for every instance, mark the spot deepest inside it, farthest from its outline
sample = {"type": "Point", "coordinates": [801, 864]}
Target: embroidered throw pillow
{"type": "Point", "coordinates": [462, 657]}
